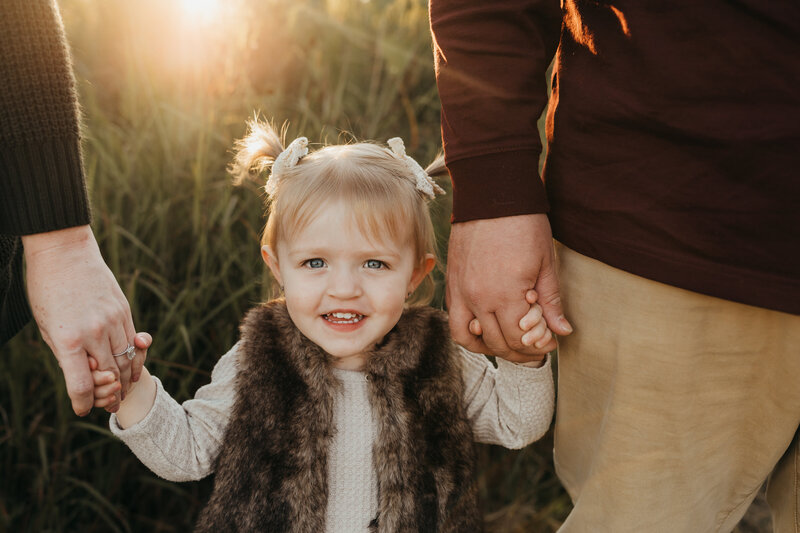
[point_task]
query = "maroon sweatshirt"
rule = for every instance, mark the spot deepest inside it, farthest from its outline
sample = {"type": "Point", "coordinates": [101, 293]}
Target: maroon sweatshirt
{"type": "Point", "coordinates": [673, 132]}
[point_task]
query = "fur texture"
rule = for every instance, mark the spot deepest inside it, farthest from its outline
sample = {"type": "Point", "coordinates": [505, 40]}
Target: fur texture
{"type": "Point", "coordinates": [271, 474]}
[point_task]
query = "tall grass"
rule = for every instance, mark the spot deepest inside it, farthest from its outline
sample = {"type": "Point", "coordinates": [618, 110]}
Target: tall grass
{"type": "Point", "coordinates": [164, 96]}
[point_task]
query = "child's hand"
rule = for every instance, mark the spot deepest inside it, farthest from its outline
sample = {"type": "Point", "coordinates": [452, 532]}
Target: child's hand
{"type": "Point", "coordinates": [536, 334]}
{"type": "Point", "coordinates": [106, 385]}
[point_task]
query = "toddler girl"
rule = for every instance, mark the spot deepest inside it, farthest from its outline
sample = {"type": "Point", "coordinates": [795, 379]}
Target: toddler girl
{"type": "Point", "coordinates": [343, 407]}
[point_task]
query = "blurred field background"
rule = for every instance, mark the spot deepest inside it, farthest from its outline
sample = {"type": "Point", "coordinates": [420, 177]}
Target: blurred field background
{"type": "Point", "coordinates": [166, 87]}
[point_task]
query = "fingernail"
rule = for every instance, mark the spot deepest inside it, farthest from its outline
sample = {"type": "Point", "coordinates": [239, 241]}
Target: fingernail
{"type": "Point", "coordinates": [85, 413]}
{"type": "Point", "coordinates": [564, 324]}
{"type": "Point", "coordinates": [526, 340]}
{"type": "Point", "coordinates": [136, 378]}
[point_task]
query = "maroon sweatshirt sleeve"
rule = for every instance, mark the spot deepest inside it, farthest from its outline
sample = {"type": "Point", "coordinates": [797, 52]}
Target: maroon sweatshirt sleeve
{"type": "Point", "coordinates": [491, 59]}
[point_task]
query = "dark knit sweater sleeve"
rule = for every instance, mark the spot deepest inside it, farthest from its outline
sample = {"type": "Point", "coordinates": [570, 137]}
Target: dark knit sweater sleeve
{"type": "Point", "coordinates": [491, 59]}
{"type": "Point", "coordinates": [42, 184]}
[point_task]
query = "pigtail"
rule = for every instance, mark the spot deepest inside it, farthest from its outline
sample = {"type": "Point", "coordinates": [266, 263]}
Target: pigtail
{"type": "Point", "coordinates": [437, 167]}
{"type": "Point", "coordinates": [256, 151]}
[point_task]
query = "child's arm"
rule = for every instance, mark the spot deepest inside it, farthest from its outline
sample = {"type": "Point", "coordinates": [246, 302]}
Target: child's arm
{"type": "Point", "coordinates": [178, 442]}
{"type": "Point", "coordinates": [511, 405]}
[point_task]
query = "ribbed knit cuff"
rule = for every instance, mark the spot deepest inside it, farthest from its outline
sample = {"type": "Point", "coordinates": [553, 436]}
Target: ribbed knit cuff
{"type": "Point", "coordinates": [497, 185]}
{"type": "Point", "coordinates": [14, 309]}
{"type": "Point", "coordinates": [42, 187]}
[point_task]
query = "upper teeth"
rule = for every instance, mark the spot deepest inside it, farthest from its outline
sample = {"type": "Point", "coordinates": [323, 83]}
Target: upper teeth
{"type": "Point", "coordinates": [346, 316]}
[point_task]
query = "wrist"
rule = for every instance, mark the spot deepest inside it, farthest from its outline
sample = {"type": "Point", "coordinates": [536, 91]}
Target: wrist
{"type": "Point", "coordinates": [75, 237]}
{"type": "Point", "coordinates": [536, 363]}
{"type": "Point", "coordinates": [138, 401]}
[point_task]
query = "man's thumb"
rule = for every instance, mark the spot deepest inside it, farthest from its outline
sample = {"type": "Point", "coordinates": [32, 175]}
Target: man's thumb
{"type": "Point", "coordinates": [550, 300]}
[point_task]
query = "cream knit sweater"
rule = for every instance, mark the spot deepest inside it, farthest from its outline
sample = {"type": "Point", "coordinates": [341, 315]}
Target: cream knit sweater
{"type": "Point", "coordinates": [511, 406]}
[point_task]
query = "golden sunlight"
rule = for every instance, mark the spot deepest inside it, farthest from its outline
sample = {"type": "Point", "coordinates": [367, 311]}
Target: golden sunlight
{"type": "Point", "coordinates": [202, 11]}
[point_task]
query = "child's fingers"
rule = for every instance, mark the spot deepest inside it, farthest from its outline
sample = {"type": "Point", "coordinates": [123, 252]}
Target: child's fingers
{"type": "Point", "coordinates": [531, 318]}
{"type": "Point", "coordinates": [93, 364]}
{"type": "Point", "coordinates": [475, 327]}
{"type": "Point", "coordinates": [104, 391]}
{"type": "Point", "coordinates": [531, 296]}
{"type": "Point", "coordinates": [535, 334]}
{"type": "Point", "coordinates": [545, 340]}
{"type": "Point", "coordinates": [105, 402]}
{"type": "Point", "coordinates": [104, 377]}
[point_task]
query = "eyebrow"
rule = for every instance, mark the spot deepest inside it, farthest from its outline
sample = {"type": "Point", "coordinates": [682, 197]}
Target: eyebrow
{"type": "Point", "coordinates": [327, 252]}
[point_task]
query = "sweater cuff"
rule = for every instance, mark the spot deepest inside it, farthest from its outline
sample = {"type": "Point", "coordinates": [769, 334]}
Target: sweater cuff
{"type": "Point", "coordinates": [43, 187]}
{"type": "Point", "coordinates": [497, 185]}
{"type": "Point", "coordinates": [14, 309]}
{"type": "Point", "coordinates": [521, 373]}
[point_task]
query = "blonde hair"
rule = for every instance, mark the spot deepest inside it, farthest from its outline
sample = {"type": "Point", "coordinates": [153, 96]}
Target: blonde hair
{"type": "Point", "coordinates": [378, 186]}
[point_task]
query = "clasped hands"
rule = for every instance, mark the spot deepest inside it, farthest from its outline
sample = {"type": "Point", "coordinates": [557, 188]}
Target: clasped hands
{"type": "Point", "coordinates": [502, 289]}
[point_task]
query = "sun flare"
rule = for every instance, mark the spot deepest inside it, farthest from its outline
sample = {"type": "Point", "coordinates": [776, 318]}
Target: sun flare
{"type": "Point", "coordinates": [200, 10]}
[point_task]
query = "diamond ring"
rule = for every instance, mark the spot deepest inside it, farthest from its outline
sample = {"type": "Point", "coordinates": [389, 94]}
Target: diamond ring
{"type": "Point", "coordinates": [129, 351]}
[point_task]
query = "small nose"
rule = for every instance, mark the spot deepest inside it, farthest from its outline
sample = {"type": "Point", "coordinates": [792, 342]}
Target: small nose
{"type": "Point", "coordinates": [344, 284]}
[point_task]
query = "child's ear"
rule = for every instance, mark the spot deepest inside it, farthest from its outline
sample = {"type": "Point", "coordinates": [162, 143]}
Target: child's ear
{"type": "Point", "coordinates": [423, 269]}
{"type": "Point", "coordinates": [271, 259]}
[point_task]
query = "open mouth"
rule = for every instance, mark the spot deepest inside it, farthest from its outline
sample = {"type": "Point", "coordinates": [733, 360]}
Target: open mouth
{"type": "Point", "coordinates": [343, 318]}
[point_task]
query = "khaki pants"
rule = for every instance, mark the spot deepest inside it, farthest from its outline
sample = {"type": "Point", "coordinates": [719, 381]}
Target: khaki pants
{"type": "Point", "coordinates": [673, 407]}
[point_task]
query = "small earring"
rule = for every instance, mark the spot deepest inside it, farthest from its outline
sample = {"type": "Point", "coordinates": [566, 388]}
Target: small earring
{"type": "Point", "coordinates": [408, 295]}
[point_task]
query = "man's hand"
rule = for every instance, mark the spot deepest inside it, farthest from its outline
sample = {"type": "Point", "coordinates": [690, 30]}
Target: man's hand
{"type": "Point", "coordinates": [491, 266]}
{"type": "Point", "coordinates": [80, 310]}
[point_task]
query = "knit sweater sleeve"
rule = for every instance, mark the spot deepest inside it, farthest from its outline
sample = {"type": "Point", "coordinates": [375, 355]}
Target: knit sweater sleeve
{"type": "Point", "coordinates": [511, 405]}
{"type": "Point", "coordinates": [491, 61]}
{"type": "Point", "coordinates": [180, 442]}
{"type": "Point", "coordinates": [42, 185]}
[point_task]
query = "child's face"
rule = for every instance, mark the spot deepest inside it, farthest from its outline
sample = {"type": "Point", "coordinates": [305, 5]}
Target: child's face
{"type": "Point", "coordinates": [343, 291]}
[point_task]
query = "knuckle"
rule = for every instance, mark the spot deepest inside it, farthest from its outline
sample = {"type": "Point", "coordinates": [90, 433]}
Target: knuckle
{"type": "Point", "coordinates": [552, 299]}
{"type": "Point", "coordinates": [80, 388]}
{"type": "Point", "coordinates": [96, 330]}
{"type": "Point", "coordinates": [123, 313]}
{"type": "Point", "coordinates": [515, 345]}
{"type": "Point", "coordinates": [70, 343]}
{"type": "Point", "coordinates": [498, 349]}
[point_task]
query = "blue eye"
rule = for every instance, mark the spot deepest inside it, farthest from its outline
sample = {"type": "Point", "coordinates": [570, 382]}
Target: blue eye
{"type": "Point", "coordinates": [374, 263]}
{"type": "Point", "coordinates": [314, 263]}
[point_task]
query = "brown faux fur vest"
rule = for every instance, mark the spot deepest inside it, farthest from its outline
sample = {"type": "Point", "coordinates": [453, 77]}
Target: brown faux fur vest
{"type": "Point", "coordinates": [272, 474]}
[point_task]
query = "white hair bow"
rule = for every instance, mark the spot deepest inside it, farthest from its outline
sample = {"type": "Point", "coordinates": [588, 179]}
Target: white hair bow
{"type": "Point", "coordinates": [425, 183]}
{"type": "Point", "coordinates": [293, 153]}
